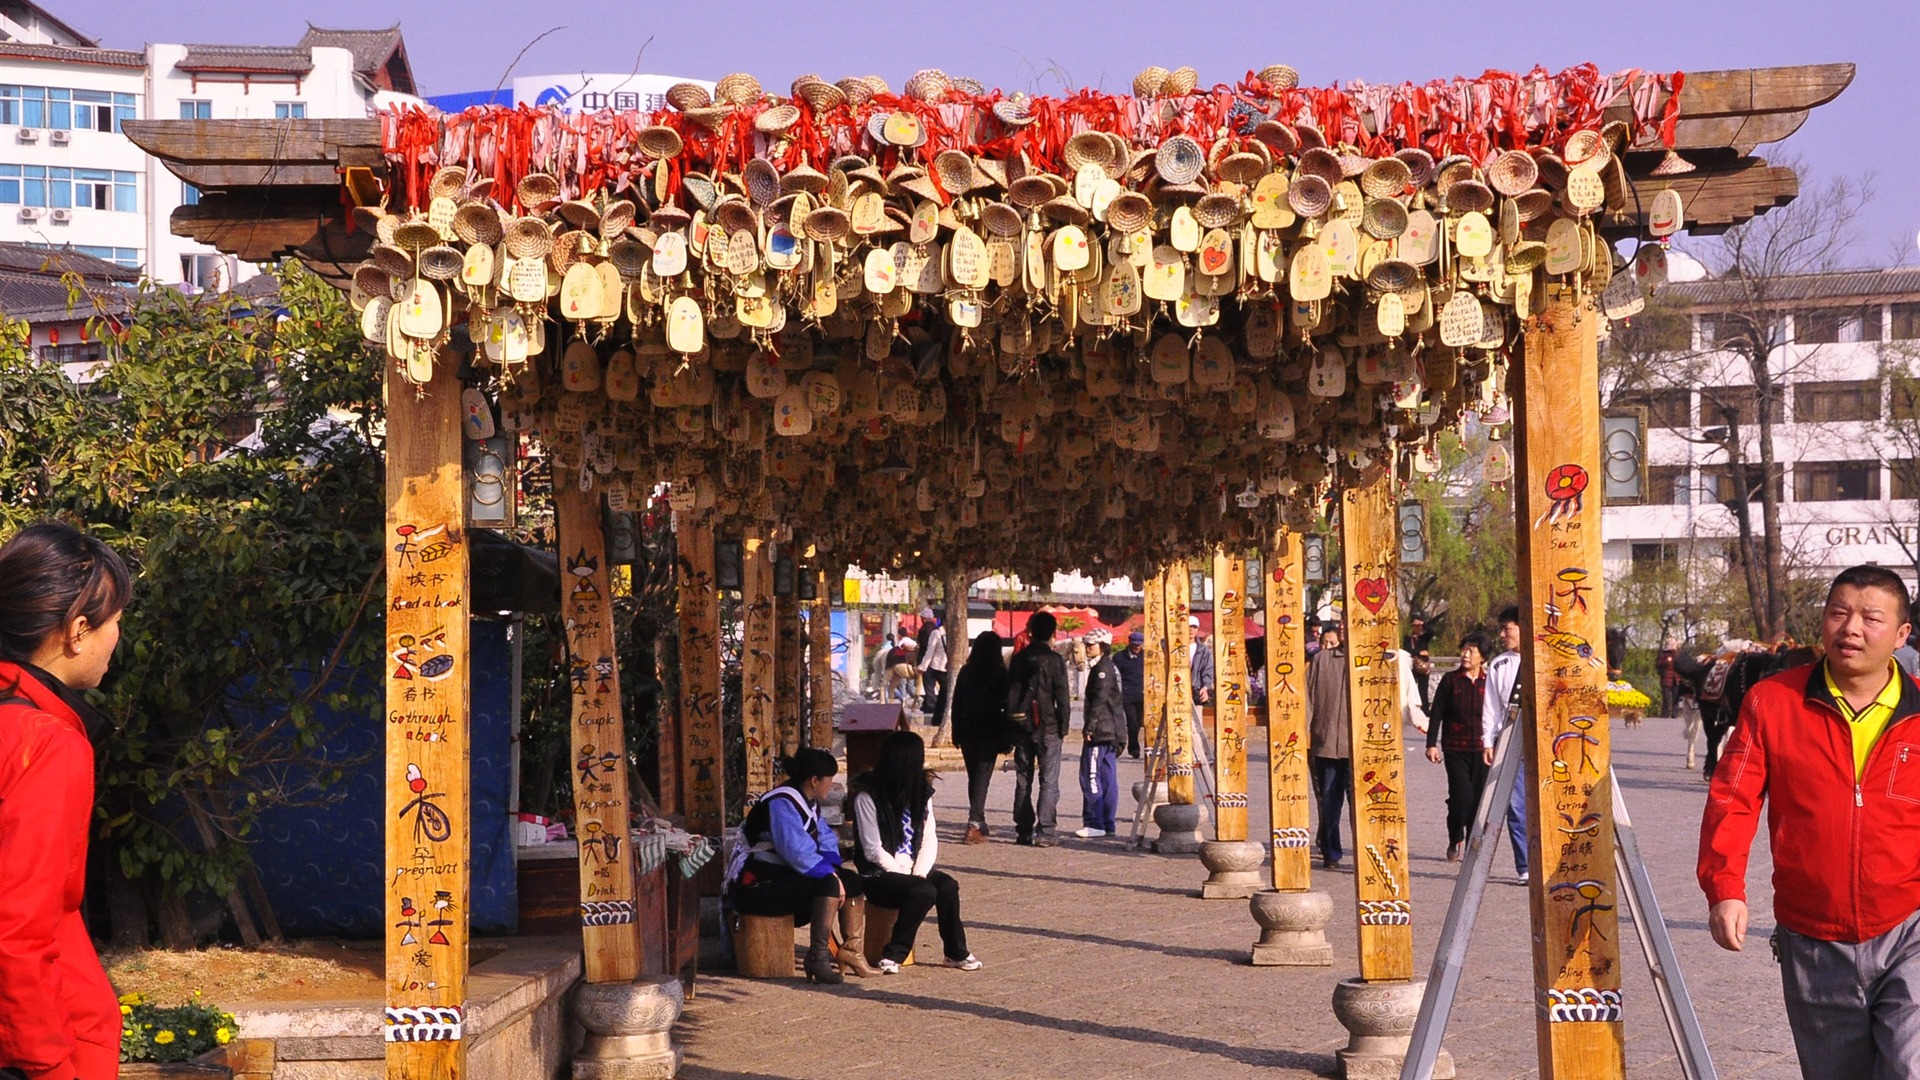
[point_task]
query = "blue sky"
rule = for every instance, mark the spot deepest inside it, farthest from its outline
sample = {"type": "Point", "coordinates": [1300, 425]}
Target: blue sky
{"type": "Point", "coordinates": [1871, 130]}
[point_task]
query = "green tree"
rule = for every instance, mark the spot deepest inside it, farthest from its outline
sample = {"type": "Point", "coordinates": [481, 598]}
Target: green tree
{"type": "Point", "coordinates": [1469, 573]}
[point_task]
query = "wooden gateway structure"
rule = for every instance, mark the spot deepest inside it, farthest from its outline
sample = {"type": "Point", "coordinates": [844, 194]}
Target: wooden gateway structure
{"type": "Point", "coordinates": [907, 328]}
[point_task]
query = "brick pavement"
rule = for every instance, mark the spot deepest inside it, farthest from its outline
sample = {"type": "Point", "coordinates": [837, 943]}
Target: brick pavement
{"type": "Point", "coordinates": [1101, 961]}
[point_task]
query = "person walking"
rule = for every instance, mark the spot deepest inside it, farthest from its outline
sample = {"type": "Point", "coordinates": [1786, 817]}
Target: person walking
{"type": "Point", "coordinates": [1103, 730]}
{"type": "Point", "coordinates": [1131, 664]}
{"type": "Point", "coordinates": [1499, 706]}
{"type": "Point", "coordinates": [59, 624]}
{"type": "Point", "coordinates": [1039, 707]}
{"type": "Point", "coordinates": [933, 673]}
{"type": "Point", "coordinates": [1330, 740]}
{"type": "Point", "coordinates": [1200, 665]}
{"type": "Point", "coordinates": [893, 817]}
{"type": "Point", "coordinates": [980, 727]}
{"type": "Point", "coordinates": [1453, 738]}
{"type": "Point", "coordinates": [1829, 748]}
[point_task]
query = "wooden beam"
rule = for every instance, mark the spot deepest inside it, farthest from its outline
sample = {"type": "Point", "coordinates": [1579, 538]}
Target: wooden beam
{"type": "Point", "coordinates": [787, 678]}
{"type": "Point", "coordinates": [219, 176]}
{"type": "Point", "coordinates": [1715, 198]}
{"type": "Point", "coordinates": [1563, 678]}
{"type": "Point", "coordinates": [1288, 786]}
{"type": "Point", "coordinates": [820, 665]}
{"type": "Point", "coordinates": [702, 760]}
{"type": "Point", "coordinates": [601, 803]}
{"type": "Point", "coordinates": [757, 656]}
{"type": "Point", "coordinates": [1153, 705]}
{"type": "Point", "coordinates": [1704, 134]}
{"type": "Point", "coordinates": [1229, 696]}
{"type": "Point", "coordinates": [1370, 542]}
{"type": "Point", "coordinates": [428, 694]}
{"type": "Point", "coordinates": [1744, 91]}
{"type": "Point", "coordinates": [303, 141]}
{"type": "Point", "coordinates": [1179, 691]}
{"type": "Point", "coordinates": [264, 225]}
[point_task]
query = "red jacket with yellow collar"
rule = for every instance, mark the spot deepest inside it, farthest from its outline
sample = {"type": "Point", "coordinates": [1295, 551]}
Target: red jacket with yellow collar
{"type": "Point", "coordinates": [58, 1014]}
{"type": "Point", "coordinates": [1846, 854]}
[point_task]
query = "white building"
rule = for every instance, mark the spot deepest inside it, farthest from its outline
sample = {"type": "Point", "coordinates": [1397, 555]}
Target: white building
{"type": "Point", "coordinates": [1845, 443]}
{"type": "Point", "coordinates": [68, 177]}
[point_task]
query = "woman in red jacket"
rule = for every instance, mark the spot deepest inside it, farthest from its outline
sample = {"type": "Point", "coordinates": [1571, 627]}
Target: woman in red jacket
{"type": "Point", "coordinates": [61, 594]}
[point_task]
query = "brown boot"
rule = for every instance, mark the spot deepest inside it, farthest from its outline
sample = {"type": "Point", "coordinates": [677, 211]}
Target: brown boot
{"type": "Point", "coordinates": [819, 963]}
{"type": "Point", "coordinates": [853, 933]}
{"type": "Point", "coordinates": [975, 835]}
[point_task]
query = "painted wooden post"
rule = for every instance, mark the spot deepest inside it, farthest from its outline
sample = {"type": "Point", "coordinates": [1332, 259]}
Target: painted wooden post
{"type": "Point", "coordinates": [600, 806]}
{"type": "Point", "coordinates": [1288, 786]}
{"type": "Point", "coordinates": [757, 663]}
{"type": "Point", "coordinates": [703, 775]}
{"type": "Point", "coordinates": [1153, 706]}
{"type": "Point", "coordinates": [1230, 696]}
{"type": "Point", "coordinates": [429, 831]}
{"type": "Point", "coordinates": [1179, 693]}
{"type": "Point", "coordinates": [1576, 933]}
{"type": "Point", "coordinates": [787, 676]}
{"type": "Point", "coordinates": [1370, 540]}
{"type": "Point", "coordinates": [820, 665]}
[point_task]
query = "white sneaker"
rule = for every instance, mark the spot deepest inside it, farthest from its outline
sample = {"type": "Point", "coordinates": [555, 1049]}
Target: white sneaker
{"type": "Point", "coordinates": [1525, 878]}
{"type": "Point", "coordinates": [1089, 834]}
{"type": "Point", "coordinates": [971, 963]}
{"type": "Point", "coordinates": [889, 967]}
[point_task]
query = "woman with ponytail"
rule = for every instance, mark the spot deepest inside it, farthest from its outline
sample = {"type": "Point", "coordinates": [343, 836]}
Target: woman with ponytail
{"type": "Point", "coordinates": [61, 594]}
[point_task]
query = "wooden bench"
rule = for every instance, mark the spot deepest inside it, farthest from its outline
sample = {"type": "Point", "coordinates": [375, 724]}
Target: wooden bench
{"type": "Point", "coordinates": [763, 946]}
{"type": "Point", "coordinates": [880, 923]}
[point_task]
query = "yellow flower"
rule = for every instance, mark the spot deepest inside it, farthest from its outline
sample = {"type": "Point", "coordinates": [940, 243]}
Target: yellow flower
{"type": "Point", "coordinates": [191, 1033]}
{"type": "Point", "coordinates": [131, 999]}
{"type": "Point", "coordinates": [126, 1010]}
{"type": "Point", "coordinates": [223, 1036]}
{"type": "Point", "coordinates": [163, 1038]}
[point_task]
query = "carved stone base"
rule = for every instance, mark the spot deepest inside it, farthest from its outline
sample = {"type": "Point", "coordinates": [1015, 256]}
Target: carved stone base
{"type": "Point", "coordinates": [1379, 1020]}
{"type": "Point", "coordinates": [1179, 828]}
{"type": "Point", "coordinates": [1293, 928]}
{"type": "Point", "coordinates": [1233, 869]}
{"type": "Point", "coordinates": [627, 1026]}
{"type": "Point", "coordinates": [1149, 829]}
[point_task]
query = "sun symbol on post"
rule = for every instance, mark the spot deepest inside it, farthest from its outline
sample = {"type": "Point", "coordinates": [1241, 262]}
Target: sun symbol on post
{"type": "Point", "coordinates": [1565, 484]}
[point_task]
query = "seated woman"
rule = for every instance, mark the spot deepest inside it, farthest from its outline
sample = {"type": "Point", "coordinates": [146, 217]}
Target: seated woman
{"type": "Point", "coordinates": [893, 807]}
{"type": "Point", "coordinates": [791, 866]}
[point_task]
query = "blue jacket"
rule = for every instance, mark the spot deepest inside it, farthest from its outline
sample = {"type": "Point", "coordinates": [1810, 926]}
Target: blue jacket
{"type": "Point", "coordinates": [800, 840]}
{"type": "Point", "coordinates": [1133, 674]}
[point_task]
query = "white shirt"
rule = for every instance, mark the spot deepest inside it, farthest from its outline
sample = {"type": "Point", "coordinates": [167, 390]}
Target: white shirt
{"type": "Point", "coordinates": [893, 862]}
{"type": "Point", "coordinates": [936, 658]}
{"type": "Point", "coordinates": [1501, 671]}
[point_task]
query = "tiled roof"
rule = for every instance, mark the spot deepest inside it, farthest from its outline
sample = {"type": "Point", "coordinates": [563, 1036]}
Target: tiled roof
{"type": "Point", "coordinates": [71, 54]}
{"type": "Point", "coordinates": [275, 58]}
{"type": "Point", "coordinates": [50, 263]}
{"type": "Point", "coordinates": [1895, 282]}
{"type": "Point", "coordinates": [31, 289]}
{"type": "Point", "coordinates": [370, 48]}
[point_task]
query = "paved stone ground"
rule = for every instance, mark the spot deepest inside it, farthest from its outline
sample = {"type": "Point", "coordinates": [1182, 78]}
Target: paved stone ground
{"type": "Point", "coordinates": [1102, 961]}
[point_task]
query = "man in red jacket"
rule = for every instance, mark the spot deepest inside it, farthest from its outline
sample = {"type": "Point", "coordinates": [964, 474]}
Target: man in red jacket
{"type": "Point", "coordinates": [1834, 751]}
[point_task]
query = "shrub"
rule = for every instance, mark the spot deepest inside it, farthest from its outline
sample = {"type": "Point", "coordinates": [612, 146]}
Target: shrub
{"type": "Point", "coordinates": [170, 1033]}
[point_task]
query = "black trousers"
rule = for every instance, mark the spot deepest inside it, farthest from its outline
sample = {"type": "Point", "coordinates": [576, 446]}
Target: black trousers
{"type": "Point", "coordinates": [914, 897]}
{"type": "Point", "coordinates": [981, 762]}
{"type": "Point", "coordinates": [1136, 712]}
{"type": "Point", "coordinates": [1466, 778]}
{"type": "Point", "coordinates": [768, 888]}
{"type": "Point", "coordinates": [933, 692]}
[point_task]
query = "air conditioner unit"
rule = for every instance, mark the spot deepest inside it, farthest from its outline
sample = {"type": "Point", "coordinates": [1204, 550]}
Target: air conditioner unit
{"type": "Point", "coordinates": [61, 138]}
{"type": "Point", "coordinates": [63, 216]}
{"type": "Point", "coordinates": [30, 213]}
{"type": "Point", "coordinates": [28, 134]}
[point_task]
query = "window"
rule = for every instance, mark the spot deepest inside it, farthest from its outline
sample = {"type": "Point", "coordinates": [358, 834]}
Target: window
{"type": "Point", "coordinates": [1906, 478]}
{"type": "Point", "coordinates": [189, 195]}
{"type": "Point", "coordinates": [1665, 408]}
{"type": "Point", "coordinates": [1668, 485]}
{"type": "Point", "coordinates": [1653, 554]}
{"type": "Point", "coordinates": [60, 109]}
{"type": "Point", "coordinates": [1829, 402]}
{"type": "Point", "coordinates": [97, 110]}
{"type": "Point", "coordinates": [1904, 398]}
{"type": "Point", "coordinates": [1717, 481]}
{"type": "Point", "coordinates": [289, 110]}
{"type": "Point", "coordinates": [1836, 481]}
{"type": "Point", "coordinates": [196, 110]}
{"type": "Point", "coordinates": [199, 272]}
{"type": "Point", "coordinates": [80, 352]}
{"type": "Point", "coordinates": [1743, 400]}
{"type": "Point", "coordinates": [55, 187]}
{"type": "Point", "coordinates": [1906, 322]}
{"type": "Point", "coordinates": [1727, 330]}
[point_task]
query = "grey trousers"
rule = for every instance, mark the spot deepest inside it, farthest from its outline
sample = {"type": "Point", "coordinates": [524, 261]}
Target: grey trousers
{"type": "Point", "coordinates": [1030, 758]}
{"type": "Point", "coordinates": [1854, 1009]}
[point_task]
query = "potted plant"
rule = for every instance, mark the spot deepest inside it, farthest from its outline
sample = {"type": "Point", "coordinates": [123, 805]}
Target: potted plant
{"type": "Point", "coordinates": [1626, 703]}
{"type": "Point", "coordinates": [174, 1042]}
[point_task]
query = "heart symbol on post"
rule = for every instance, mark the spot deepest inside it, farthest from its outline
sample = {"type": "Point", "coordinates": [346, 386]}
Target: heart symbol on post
{"type": "Point", "coordinates": [1214, 260]}
{"type": "Point", "coordinates": [1371, 592]}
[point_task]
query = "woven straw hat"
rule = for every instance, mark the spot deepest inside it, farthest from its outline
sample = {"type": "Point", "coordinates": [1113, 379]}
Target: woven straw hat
{"type": "Point", "coordinates": [1015, 111]}
{"type": "Point", "coordinates": [669, 217]}
{"type": "Point", "coordinates": [368, 218]}
{"type": "Point", "coordinates": [536, 191]}
{"type": "Point", "coordinates": [961, 84]}
{"type": "Point", "coordinates": [737, 88]}
{"type": "Point", "coordinates": [1584, 146]}
{"type": "Point", "coordinates": [415, 236]}
{"type": "Point", "coordinates": [1309, 136]}
{"type": "Point", "coordinates": [1243, 167]}
{"type": "Point", "coordinates": [441, 263]}
{"type": "Point", "coordinates": [927, 84]}
{"type": "Point", "coordinates": [1281, 137]}
{"type": "Point", "coordinates": [1469, 196]}
{"type": "Point", "coordinates": [1129, 212]}
{"type": "Point", "coordinates": [580, 214]}
{"type": "Point", "coordinates": [1512, 172]}
{"type": "Point", "coordinates": [1310, 195]}
{"type": "Point", "coordinates": [1526, 255]}
{"type": "Point", "coordinates": [736, 214]}
{"type": "Point", "coordinates": [397, 264]}
{"type": "Point", "coordinates": [370, 280]}
{"type": "Point", "coordinates": [955, 170]}
{"type": "Point", "coordinates": [1533, 204]}
{"type": "Point", "coordinates": [528, 238]}
{"type": "Point", "coordinates": [827, 224]}
{"type": "Point", "coordinates": [1088, 147]}
{"type": "Point", "coordinates": [710, 117]}
{"type": "Point", "coordinates": [989, 172]}
{"type": "Point", "coordinates": [688, 95]}
{"type": "Point", "coordinates": [1384, 219]}
{"type": "Point", "coordinates": [1392, 275]}
{"type": "Point", "coordinates": [777, 118]}
{"type": "Point", "coordinates": [1321, 162]}
{"type": "Point", "coordinates": [629, 258]}
{"type": "Point", "coordinates": [1181, 81]}
{"type": "Point", "coordinates": [1553, 170]}
{"type": "Point", "coordinates": [762, 181]}
{"type": "Point", "coordinates": [1215, 211]}
{"type": "Point", "coordinates": [1147, 84]}
{"type": "Point", "coordinates": [857, 91]}
{"type": "Point", "coordinates": [1029, 191]}
{"type": "Point", "coordinates": [803, 177]}
{"type": "Point", "coordinates": [1387, 178]}
{"type": "Point", "coordinates": [1179, 160]}
{"type": "Point", "coordinates": [659, 141]}
{"type": "Point", "coordinates": [448, 182]}
{"type": "Point", "coordinates": [1280, 76]}
{"type": "Point", "coordinates": [819, 94]}
{"type": "Point", "coordinates": [1419, 165]}
{"type": "Point", "coordinates": [1066, 210]}
{"type": "Point", "coordinates": [701, 188]}
{"type": "Point", "coordinates": [616, 216]}
{"type": "Point", "coordinates": [477, 223]}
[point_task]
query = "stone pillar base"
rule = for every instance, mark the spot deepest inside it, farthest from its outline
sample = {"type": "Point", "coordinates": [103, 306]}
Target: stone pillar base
{"type": "Point", "coordinates": [627, 1026]}
{"type": "Point", "coordinates": [1148, 829]}
{"type": "Point", "coordinates": [1233, 869]}
{"type": "Point", "coordinates": [1293, 929]}
{"type": "Point", "coordinates": [1379, 1020]}
{"type": "Point", "coordinates": [1179, 828]}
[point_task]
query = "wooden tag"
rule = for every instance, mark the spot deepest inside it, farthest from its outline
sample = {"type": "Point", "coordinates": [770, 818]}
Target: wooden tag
{"type": "Point", "coordinates": [1003, 263]}
{"type": "Point", "coordinates": [1342, 247]}
{"type": "Point", "coordinates": [1183, 232]}
{"type": "Point", "coordinates": [882, 275]}
{"type": "Point", "coordinates": [670, 254]}
{"type": "Point", "coordinates": [1170, 361]}
{"type": "Point", "coordinates": [580, 293]}
{"type": "Point", "coordinates": [922, 271]}
{"type": "Point", "coordinates": [1070, 249]}
{"type": "Point", "coordinates": [476, 267]}
{"type": "Point", "coordinates": [1419, 244]}
{"type": "Point", "coordinates": [1166, 278]}
{"type": "Point", "coordinates": [1473, 235]}
{"type": "Point", "coordinates": [1564, 247]}
{"type": "Point", "coordinates": [422, 313]}
{"type": "Point", "coordinates": [925, 222]}
{"type": "Point", "coordinates": [1649, 267]}
{"type": "Point", "coordinates": [869, 213]}
{"type": "Point", "coordinates": [1086, 180]}
{"type": "Point", "coordinates": [1216, 253]}
{"type": "Point", "coordinates": [686, 326]}
{"type": "Point", "coordinates": [1460, 321]}
{"type": "Point", "coordinates": [901, 129]}
{"type": "Point", "coordinates": [1667, 215]}
{"type": "Point", "coordinates": [622, 378]}
{"type": "Point", "coordinates": [1121, 290]}
{"type": "Point", "coordinates": [580, 367]}
{"type": "Point", "coordinates": [791, 414]}
{"type": "Point", "coordinates": [1509, 223]}
{"type": "Point", "coordinates": [1270, 208]}
{"type": "Point", "coordinates": [1034, 265]}
{"type": "Point", "coordinates": [742, 256]}
{"type": "Point", "coordinates": [1103, 196]}
{"type": "Point", "coordinates": [476, 416]}
{"type": "Point", "coordinates": [784, 248]}
{"type": "Point", "coordinates": [1391, 315]}
{"type": "Point", "coordinates": [1270, 253]}
{"type": "Point", "coordinates": [1310, 279]}
{"type": "Point", "coordinates": [967, 259]}
{"type": "Point", "coordinates": [612, 291]}
{"type": "Point", "coordinates": [1195, 310]}
{"type": "Point", "coordinates": [1585, 190]}
{"type": "Point", "coordinates": [373, 322]}
{"type": "Point", "coordinates": [1327, 376]}
{"type": "Point", "coordinates": [964, 311]}
{"type": "Point", "coordinates": [1212, 364]}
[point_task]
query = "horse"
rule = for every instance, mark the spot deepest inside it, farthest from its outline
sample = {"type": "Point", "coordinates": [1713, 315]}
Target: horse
{"type": "Point", "coordinates": [1720, 684]}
